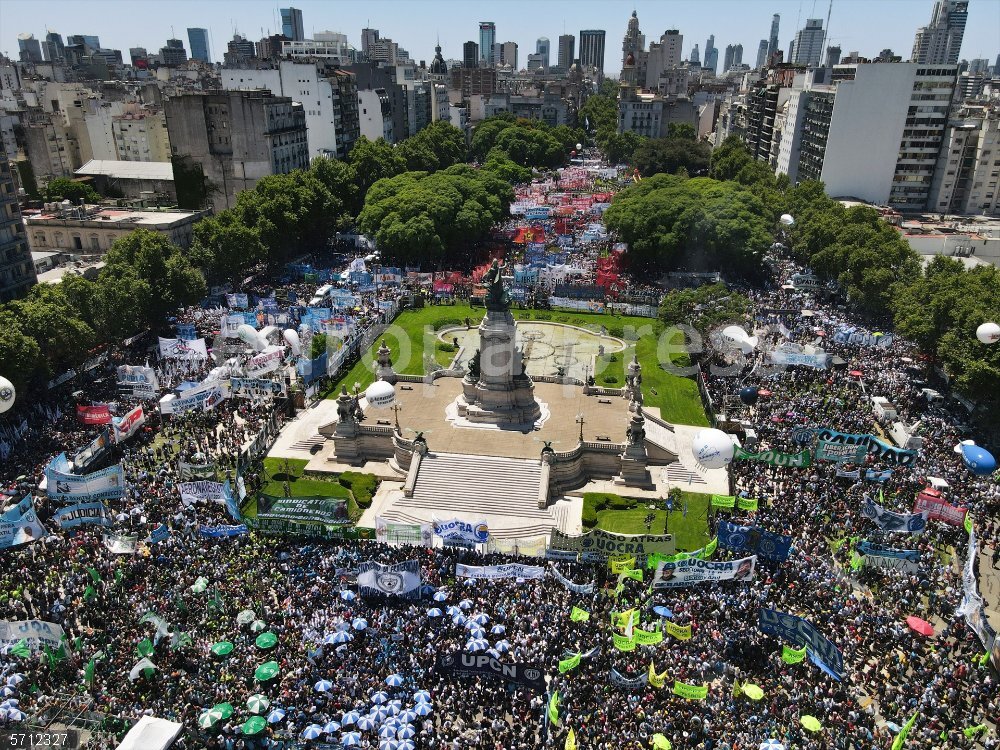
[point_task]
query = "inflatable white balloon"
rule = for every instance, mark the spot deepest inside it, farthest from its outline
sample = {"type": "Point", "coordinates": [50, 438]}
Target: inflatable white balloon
{"type": "Point", "coordinates": [7, 394]}
{"type": "Point", "coordinates": [787, 220]}
{"type": "Point", "coordinates": [579, 146]}
{"type": "Point", "coordinates": [712, 448]}
{"type": "Point", "coordinates": [251, 337]}
{"type": "Point", "coordinates": [291, 337]}
{"type": "Point", "coordinates": [738, 337]}
{"type": "Point", "coordinates": [988, 333]}
{"type": "Point", "coordinates": [380, 394]}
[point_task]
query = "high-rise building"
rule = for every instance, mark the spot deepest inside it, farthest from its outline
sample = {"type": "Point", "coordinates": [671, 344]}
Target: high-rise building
{"type": "Point", "coordinates": [663, 56]}
{"type": "Point", "coordinates": [964, 180]}
{"type": "Point", "coordinates": [634, 42]}
{"type": "Point", "coordinates": [173, 54]}
{"type": "Point", "coordinates": [53, 47]}
{"type": "Point", "coordinates": [17, 272]}
{"type": "Point", "coordinates": [239, 51]}
{"type": "Point", "coordinates": [139, 57]}
{"type": "Point", "coordinates": [734, 57]}
{"type": "Point", "coordinates": [543, 47]}
{"type": "Point", "coordinates": [198, 39]}
{"type": "Point", "coordinates": [567, 50]}
{"type": "Point", "coordinates": [90, 41]}
{"type": "Point", "coordinates": [487, 38]}
{"type": "Point", "coordinates": [592, 48]}
{"type": "Point", "coordinates": [695, 58]}
{"type": "Point", "coordinates": [29, 49]}
{"type": "Point", "coordinates": [940, 42]}
{"type": "Point", "coordinates": [833, 56]}
{"type": "Point", "coordinates": [291, 24]}
{"type": "Point", "coordinates": [772, 40]}
{"type": "Point", "coordinates": [506, 54]}
{"type": "Point", "coordinates": [470, 55]}
{"type": "Point", "coordinates": [762, 54]}
{"type": "Point", "coordinates": [237, 137]}
{"type": "Point", "coordinates": [368, 39]}
{"type": "Point", "coordinates": [808, 45]}
{"type": "Point", "coordinates": [711, 54]}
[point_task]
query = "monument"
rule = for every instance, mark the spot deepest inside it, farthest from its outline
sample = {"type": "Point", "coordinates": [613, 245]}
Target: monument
{"type": "Point", "coordinates": [496, 390]}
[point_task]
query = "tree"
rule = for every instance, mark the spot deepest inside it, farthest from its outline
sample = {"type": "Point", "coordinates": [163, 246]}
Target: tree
{"type": "Point", "coordinates": [226, 248]}
{"type": "Point", "coordinates": [373, 161]}
{"type": "Point", "coordinates": [437, 146]}
{"type": "Point", "coordinates": [63, 188]}
{"type": "Point", "coordinates": [669, 155]}
{"type": "Point", "coordinates": [682, 130]}
{"type": "Point", "coordinates": [340, 179]}
{"type": "Point", "coordinates": [599, 112]}
{"type": "Point", "coordinates": [531, 147]}
{"type": "Point", "coordinates": [21, 359]}
{"type": "Point", "coordinates": [729, 158]}
{"type": "Point", "coordinates": [500, 164]}
{"type": "Point", "coordinates": [192, 186]}
{"type": "Point", "coordinates": [618, 147]}
{"type": "Point", "coordinates": [47, 316]}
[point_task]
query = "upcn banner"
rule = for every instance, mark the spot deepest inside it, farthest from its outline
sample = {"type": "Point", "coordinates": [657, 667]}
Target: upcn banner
{"type": "Point", "coordinates": [464, 664]}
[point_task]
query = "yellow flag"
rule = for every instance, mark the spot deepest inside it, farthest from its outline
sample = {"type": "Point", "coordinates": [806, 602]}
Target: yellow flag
{"type": "Point", "coordinates": [656, 680]}
{"type": "Point", "coordinates": [571, 740]}
{"type": "Point", "coordinates": [681, 633]}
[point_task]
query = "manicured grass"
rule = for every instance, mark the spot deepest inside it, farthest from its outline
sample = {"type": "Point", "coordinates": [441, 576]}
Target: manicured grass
{"type": "Point", "coordinates": [676, 396]}
{"type": "Point", "coordinates": [690, 531]}
{"type": "Point", "coordinates": [298, 484]}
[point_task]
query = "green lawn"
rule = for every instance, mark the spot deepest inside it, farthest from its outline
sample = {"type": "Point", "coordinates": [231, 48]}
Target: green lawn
{"type": "Point", "coordinates": [676, 397]}
{"type": "Point", "coordinates": [690, 531]}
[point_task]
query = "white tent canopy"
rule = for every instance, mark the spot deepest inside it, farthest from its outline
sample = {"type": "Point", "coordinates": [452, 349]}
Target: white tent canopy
{"type": "Point", "coordinates": [150, 733]}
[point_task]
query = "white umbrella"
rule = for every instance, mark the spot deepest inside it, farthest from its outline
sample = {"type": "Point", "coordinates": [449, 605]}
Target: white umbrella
{"type": "Point", "coordinates": [453, 610]}
{"type": "Point", "coordinates": [458, 619]}
{"type": "Point", "coordinates": [498, 630]}
{"type": "Point", "coordinates": [477, 634]}
{"type": "Point", "coordinates": [257, 704]}
{"type": "Point", "coordinates": [493, 652]}
{"type": "Point", "coordinates": [379, 713]}
{"type": "Point", "coordinates": [480, 644]}
{"type": "Point", "coordinates": [367, 722]}
{"type": "Point", "coordinates": [502, 646]}
{"type": "Point", "coordinates": [408, 744]}
{"type": "Point", "coordinates": [440, 596]}
{"type": "Point", "coordinates": [481, 618]}
{"type": "Point", "coordinates": [423, 709]}
{"type": "Point", "coordinates": [323, 686]}
{"type": "Point", "coordinates": [348, 596]}
{"type": "Point", "coordinates": [466, 603]}
{"type": "Point", "coordinates": [406, 732]}
{"type": "Point", "coordinates": [312, 732]}
{"type": "Point", "coordinates": [257, 626]}
{"type": "Point", "coordinates": [422, 696]}
{"type": "Point", "coordinates": [349, 739]}
{"type": "Point", "coordinates": [388, 744]}
{"type": "Point", "coordinates": [330, 727]}
{"type": "Point", "coordinates": [387, 731]}
{"type": "Point", "coordinates": [394, 680]}
{"type": "Point", "coordinates": [407, 716]}
{"type": "Point", "coordinates": [245, 617]}
{"type": "Point", "coordinates": [380, 697]}
{"type": "Point", "coordinates": [771, 745]}
{"type": "Point", "coordinates": [350, 717]}
{"type": "Point", "coordinates": [275, 716]}
{"type": "Point", "coordinates": [15, 679]}
{"type": "Point", "coordinates": [359, 623]}
{"type": "Point", "coordinates": [342, 636]}
{"type": "Point", "coordinates": [434, 612]}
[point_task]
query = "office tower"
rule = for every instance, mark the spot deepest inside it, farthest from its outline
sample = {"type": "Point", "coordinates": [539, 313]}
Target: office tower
{"type": "Point", "coordinates": [174, 54]}
{"type": "Point", "coordinates": [762, 54]}
{"type": "Point", "coordinates": [567, 50]}
{"type": "Point", "coordinates": [734, 56]}
{"type": "Point", "coordinates": [29, 48]}
{"type": "Point", "coordinates": [53, 47]}
{"type": "Point", "coordinates": [634, 41]}
{"type": "Point", "coordinates": [198, 39]}
{"type": "Point", "coordinates": [17, 272]}
{"type": "Point", "coordinates": [592, 48]}
{"type": "Point", "coordinates": [139, 57]}
{"type": "Point", "coordinates": [91, 42]}
{"type": "Point", "coordinates": [664, 56]}
{"type": "Point", "coordinates": [807, 48]}
{"type": "Point", "coordinates": [506, 54]}
{"type": "Point", "coordinates": [487, 38]}
{"type": "Point", "coordinates": [291, 24]}
{"type": "Point", "coordinates": [940, 42]}
{"type": "Point", "coordinates": [368, 39]}
{"type": "Point", "coordinates": [711, 54]}
{"type": "Point", "coordinates": [833, 56]}
{"type": "Point", "coordinates": [470, 55]}
{"type": "Point", "coordinates": [695, 56]}
{"type": "Point", "coordinates": [772, 41]}
{"type": "Point", "coordinates": [542, 47]}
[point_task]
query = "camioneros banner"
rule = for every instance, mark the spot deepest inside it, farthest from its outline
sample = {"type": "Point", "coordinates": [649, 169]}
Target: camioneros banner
{"type": "Point", "coordinates": [511, 570]}
{"type": "Point", "coordinates": [765, 544]}
{"type": "Point", "coordinates": [20, 525]}
{"type": "Point", "coordinates": [97, 414]}
{"type": "Point", "coordinates": [576, 588]}
{"type": "Point", "coordinates": [141, 382]}
{"type": "Point", "coordinates": [886, 520]}
{"type": "Point", "coordinates": [599, 544]}
{"type": "Point", "coordinates": [200, 491]}
{"type": "Point", "coordinates": [803, 633]}
{"type": "Point", "coordinates": [463, 664]}
{"type": "Point", "coordinates": [61, 485]}
{"type": "Point", "coordinates": [273, 511]}
{"type": "Point", "coordinates": [840, 452]}
{"type": "Point", "coordinates": [400, 580]}
{"type": "Point", "coordinates": [125, 427]}
{"type": "Point", "coordinates": [693, 571]}
{"type": "Point", "coordinates": [774, 458]}
{"type": "Point", "coordinates": [35, 633]}
{"type": "Point", "coordinates": [475, 532]}
{"type": "Point", "coordinates": [74, 515]}
{"type": "Point", "coordinates": [181, 349]}
{"type": "Point", "coordinates": [876, 448]}
{"type": "Point", "coordinates": [938, 509]}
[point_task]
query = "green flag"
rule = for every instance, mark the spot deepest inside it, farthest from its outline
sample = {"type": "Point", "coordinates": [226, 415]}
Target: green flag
{"type": "Point", "coordinates": [579, 615]}
{"type": "Point", "coordinates": [571, 663]}
{"type": "Point", "coordinates": [690, 692]}
{"type": "Point", "coordinates": [94, 575]}
{"type": "Point", "coordinates": [89, 593]}
{"type": "Point", "coordinates": [50, 656]}
{"type": "Point", "coordinates": [968, 522]}
{"type": "Point", "coordinates": [88, 672]}
{"type": "Point", "coordinates": [635, 574]}
{"type": "Point", "coordinates": [554, 708]}
{"type": "Point", "coordinates": [746, 503]}
{"type": "Point", "coordinates": [709, 549]}
{"type": "Point", "coordinates": [144, 647]}
{"type": "Point", "coordinates": [973, 731]}
{"type": "Point", "coordinates": [21, 649]}
{"type": "Point", "coordinates": [904, 732]}
{"type": "Point", "coordinates": [723, 501]}
{"type": "Point", "coordinates": [119, 575]}
{"type": "Point", "coordinates": [856, 561]}
{"type": "Point", "coordinates": [792, 656]}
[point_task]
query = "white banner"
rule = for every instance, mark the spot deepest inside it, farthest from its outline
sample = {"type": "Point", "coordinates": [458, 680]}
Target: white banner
{"type": "Point", "coordinates": [576, 588]}
{"type": "Point", "coordinates": [181, 349]}
{"type": "Point", "coordinates": [265, 362]}
{"type": "Point", "coordinates": [141, 381]}
{"type": "Point", "coordinates": [401, 579]}
{"type": "Point", "coordinates": [692, 571]}
{"type": "Point", "coordinates": [35, 633]}
{"type": "Point", "coordinates": [472, 532]}
{"type": "Point", "coordinates": [61, 485]}
{"type": "Point", "coordinates": [125, 427]}
{"type": "Point", "coordinates": [493, 572]}
{"type": "Point", "coordinates": [200, 491]}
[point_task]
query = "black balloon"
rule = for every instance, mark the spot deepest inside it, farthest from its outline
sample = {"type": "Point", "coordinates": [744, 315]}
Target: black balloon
{"type": "Point", "coordinates": [749, 396]}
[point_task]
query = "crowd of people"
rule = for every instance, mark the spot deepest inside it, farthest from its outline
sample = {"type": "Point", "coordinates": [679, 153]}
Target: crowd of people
{"type": "Point", "coordinates": [381, 657]}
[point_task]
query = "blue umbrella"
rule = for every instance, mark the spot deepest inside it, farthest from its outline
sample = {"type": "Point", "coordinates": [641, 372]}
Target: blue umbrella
{"type": "Point", "coordinates": [477, 634]}
{"type": "Point", "coordinates": [434, 612]}
{"type": "Point", "coordinates": [498, 630]}
{"type": "Point", "coordinates": [440, 596]}
{"type": "Point", "coordinates": [329, 638]}
{"type": "Point", "coordinates": [493, 652]}
{"type": "Point", "coordinates": [330, 727]}
{"type": "Point", "coordinates": [15, 679]}
{"type": "Point", "coordinates": [350, 717]}
{"type": "Point", "coordinates": [323, 686]}
{"type": "Point", "coordinates": [481, 618]}
{"type": "Point", "coordinates": [348, 596]}
{"type": "Point", "coordinates": [342, 636]}
{"type": "Point", "coordinates": [466, 603]}
{"type": "Point", "coordinates": [423, 709]}
{"type": "Point", "coordinates": [663, 611]}
{"type": "Point", "coordinates": [470, 581]}
{"type": "Point", "coordinates": [380, 697]}
{"type": "Point", "coordinates": [312, 732]}
{"type": "Point", "coordinates": [394, 707]}
{"type": "Point", "coordinates": [367, 722]}
{"type": "Point", "coordinates": [394, 680]}
{"type": "Point", "coordinates": [407, 716]}
{"type": "Point", "coordinates": [388, 731]}
{"type": "Point", "coordinates": [458, 619]}
{"type": "Point", "coordinates": [422, 696]}
{"type": "Point", "coordinates": [379, 713]}
{"type": "Point", "coordinates": [349, 739]}
{"type": "Point", "coordinates": [406, 732]}
{"type": "Point", "coordinates": [502, 646]}
{"type": "Point", "coordinates": [408, 744]}
{"type": "Point", "coordinates": [359, 623]}
{"type": "Point", "coordinates": [388, 744]}
{"type": "Point", "coordinates": [477, 644]}
{"type": "Point", "coordinates": [275, 716]}
{"type": "Point", "coordinates": [453, 611]}
{"type": "Point", "coordinates": [771, 745]}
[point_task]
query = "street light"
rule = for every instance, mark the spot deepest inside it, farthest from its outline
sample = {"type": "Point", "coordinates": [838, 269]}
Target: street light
{"type": "Point", "coordinates": [580, 421]}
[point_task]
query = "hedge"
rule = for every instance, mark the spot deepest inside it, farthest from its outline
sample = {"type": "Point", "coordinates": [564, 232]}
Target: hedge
{"type": "Point", "coordinates": [593, 502]}
{"type": "Point", "coordinates": [362, 486]}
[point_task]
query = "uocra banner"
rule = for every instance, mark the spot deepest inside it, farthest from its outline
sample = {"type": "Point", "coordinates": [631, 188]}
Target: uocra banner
{"type": "Point", "coordinates": [774, 458]}
{"type": "Point", "coordinates": [599, 544]}
{"type": "Point", "coordinates": [473, 532]}
{"type": "Point", "coordinates": [692, 571]}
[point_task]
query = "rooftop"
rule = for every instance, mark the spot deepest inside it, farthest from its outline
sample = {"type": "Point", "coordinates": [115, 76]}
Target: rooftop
{"type": "Point", "coordinates": [91, 215]}
{"type": "Point", "coordinates": [129, 170]}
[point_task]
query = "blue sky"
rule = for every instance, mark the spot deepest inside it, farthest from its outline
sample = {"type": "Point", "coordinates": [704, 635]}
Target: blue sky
{"type": "Point", "coordinates": [864, 25]}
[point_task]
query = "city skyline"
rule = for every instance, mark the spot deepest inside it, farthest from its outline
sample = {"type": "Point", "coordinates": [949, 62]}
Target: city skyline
{"type": "Point", "coordinates": [867, 27]}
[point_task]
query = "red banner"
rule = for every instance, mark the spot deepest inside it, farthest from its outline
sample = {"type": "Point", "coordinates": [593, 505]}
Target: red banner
{"type": "Point", "coordinates": [938, 508]}
{"type": "Point", "coordinates": [98, 414]}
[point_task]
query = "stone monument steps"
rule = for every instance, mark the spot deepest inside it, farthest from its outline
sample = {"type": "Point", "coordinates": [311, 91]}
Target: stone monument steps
{"type": "Point", "coordinates": [498, 532]}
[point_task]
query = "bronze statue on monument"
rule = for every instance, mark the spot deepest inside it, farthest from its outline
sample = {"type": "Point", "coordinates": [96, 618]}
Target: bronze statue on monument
{"type": "Point", "coordinates": [496, 298]}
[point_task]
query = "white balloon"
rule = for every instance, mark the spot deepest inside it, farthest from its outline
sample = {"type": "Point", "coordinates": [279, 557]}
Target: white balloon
{"type": "Point", "coordinates": [251, 337]}
{"type": "Point", "coordinates": [291, 337]}
{"type": "Point", "coordinates": [712, 448]}
{"type": "Point", "coordinates": [988, 333]}
{"type": "Point", "coordinates": [579, 146]}
{"type": "Point", "coordinates": [380, 394]}
{"type": "Point", "coordinates": [787, 220]}
{"type": "Point", "coordinates": [7, 394]}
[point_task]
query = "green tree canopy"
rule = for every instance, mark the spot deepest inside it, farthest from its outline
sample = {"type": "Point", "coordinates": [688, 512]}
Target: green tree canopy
{"type": "Point", "coordinates": [373, 161]}
{"type": "Point", "coordinates": [668, 155]}
{"type": "Point", "coordinates": [63, 188]}
{"type": "Point", "coordinates": [226, 248]}
{"type": "Point", "coordinates": [437, 146]}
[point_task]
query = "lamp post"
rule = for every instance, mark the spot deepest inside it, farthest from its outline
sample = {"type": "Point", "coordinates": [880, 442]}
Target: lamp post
{"type": "Point", "coordinates": [395, 408]}
{"type": "Point", "coordinates": [580, 421]}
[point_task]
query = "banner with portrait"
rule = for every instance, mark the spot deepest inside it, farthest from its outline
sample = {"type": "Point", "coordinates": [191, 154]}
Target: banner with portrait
{"type": "Point", "coordinates": [181, 349]}
{"type": "Point", "coordinates": [694, 571]}
{"type": "Point", "coordinates": [60, 484]}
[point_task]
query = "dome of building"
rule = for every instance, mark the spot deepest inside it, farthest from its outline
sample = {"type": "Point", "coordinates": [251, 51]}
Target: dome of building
{"type": "Point", "coordinates": [438, 66]}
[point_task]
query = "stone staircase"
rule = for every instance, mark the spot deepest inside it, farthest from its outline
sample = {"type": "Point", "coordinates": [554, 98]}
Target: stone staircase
{"type": "Point", "coordinates": [503, 491]}
{"type": "Point", "coordinates": [679, 474]}
{"type": "Point", "coordinates": [308, 444]}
